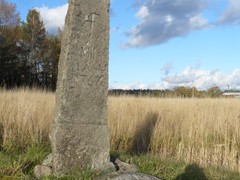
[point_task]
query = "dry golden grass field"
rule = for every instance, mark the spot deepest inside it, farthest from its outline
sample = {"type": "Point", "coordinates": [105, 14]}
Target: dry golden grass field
{"type": "Point", "coordinates": [205, 131]}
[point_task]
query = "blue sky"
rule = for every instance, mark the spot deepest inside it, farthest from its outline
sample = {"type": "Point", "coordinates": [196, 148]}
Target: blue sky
{"type": "Point", "coordinates": [161, 44]}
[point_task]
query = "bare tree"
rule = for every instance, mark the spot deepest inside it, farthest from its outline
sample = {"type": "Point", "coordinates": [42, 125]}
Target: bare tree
{"type": "Point", "coordinates": [9, 17]}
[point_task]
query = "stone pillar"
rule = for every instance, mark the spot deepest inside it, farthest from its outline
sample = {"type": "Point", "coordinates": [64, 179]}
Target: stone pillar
{"type": "Point", "coordinates": [79, 133]}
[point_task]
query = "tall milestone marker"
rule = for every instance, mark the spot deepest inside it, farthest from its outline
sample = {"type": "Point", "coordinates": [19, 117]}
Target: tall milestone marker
{"type": "Point", "coordinates": [79, 133]}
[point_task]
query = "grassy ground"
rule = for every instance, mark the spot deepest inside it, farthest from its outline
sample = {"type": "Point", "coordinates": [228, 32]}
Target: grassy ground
{"type": "Point", "coordinates": [169, 169]}
{"type": "Point", "coordinates": [202, 133]}
{"type": "Point", "coordinates": [15, 165]}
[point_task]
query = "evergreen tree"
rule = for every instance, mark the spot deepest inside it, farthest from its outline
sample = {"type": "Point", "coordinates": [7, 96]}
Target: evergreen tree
{"type": "Point", "coordinates": [33, 36]}
{"type": "Point", "coordinates": [50, 56]}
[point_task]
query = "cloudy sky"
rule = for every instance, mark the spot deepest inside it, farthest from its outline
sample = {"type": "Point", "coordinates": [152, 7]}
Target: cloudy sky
{"type": "Point", "coordinates": [161, 44]}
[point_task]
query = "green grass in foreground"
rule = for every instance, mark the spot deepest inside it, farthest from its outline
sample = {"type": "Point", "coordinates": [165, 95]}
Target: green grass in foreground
{"type": "Point", "coordinates": [19, 165]}
{"type": "Point", "coordinates": [175, 170]}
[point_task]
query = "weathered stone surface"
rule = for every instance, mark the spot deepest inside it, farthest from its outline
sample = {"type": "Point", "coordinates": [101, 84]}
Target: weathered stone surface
{"type": "Point", "coordinates": [42, 170]}
{"type": "Point", "coordinates": [79, 133]}
{"type": "Point", "coordinates": [124, 171]}
{"type": "Point", "coordinates": [125, 167]}
{"type": "Point", "coordinates": [126, 176]}
{"type": "Point", "coordinates": [48, 161]}
{"type": "Point", "coordinates": [82, 146]}
{"type": "Point", "coordinates": [134, 176]}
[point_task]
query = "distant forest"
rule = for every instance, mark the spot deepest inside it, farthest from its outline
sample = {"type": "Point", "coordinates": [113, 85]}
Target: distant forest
{"type": "Point", "coordinates": [28, 54]}
{"type": "Point", "coordinates": [184, 92]}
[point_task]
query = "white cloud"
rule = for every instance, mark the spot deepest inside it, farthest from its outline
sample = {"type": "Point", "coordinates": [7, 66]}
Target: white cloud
{"type": "Point", "coordinates": [53, 18]}
{"type": "Point", "coordinates": [162, 20]}
{"type": "Point", "coordinates": [203, 79]}
{"type": "Point", "coordinates": [167, 68]}
{"type": "Point", "coordinates": [189, 77]}
{"type": "Point", "coordinates": [169, 19]}
{"type": "Point", "coordinates": [231, 15]}
{"type": "Point", "coordinates": [143, 12]}
{"type": "Point", "coordinates": [198, 22]}
{"type": "Point", "coordinates": [134, 85]}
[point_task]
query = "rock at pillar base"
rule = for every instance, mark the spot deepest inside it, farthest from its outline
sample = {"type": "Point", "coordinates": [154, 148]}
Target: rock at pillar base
{"type": "Point", "coordinates": [42, 171]}
{"type": "Point", "coordinates": [128, 176]}
{"type": "Point", "coordinates": [116, 170]}
{"type": "Point", "coordinates": [125, 171]}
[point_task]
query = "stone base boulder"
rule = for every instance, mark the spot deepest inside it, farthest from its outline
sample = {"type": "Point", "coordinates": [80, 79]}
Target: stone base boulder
{"type": "Point", "coordinates": [125, 171]}
{"type": "Point", "coordinates": [116, 170]}
{"type": "Point", "coordinates": [42, 170]}
{"type": "Point", "coordinates": [126, 176]}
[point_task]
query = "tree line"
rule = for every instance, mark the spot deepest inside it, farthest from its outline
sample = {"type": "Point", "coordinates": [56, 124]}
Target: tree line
{"type": "Point", "coordinates": [182, 92]}
{"type": "Point", "coordinates": [28, 54]}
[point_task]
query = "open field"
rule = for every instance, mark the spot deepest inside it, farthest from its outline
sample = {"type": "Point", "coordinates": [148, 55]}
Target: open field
{"type": "Point", "coordinates": [202, 131]}
{"type": "Point", "coordinates": [205, 131]}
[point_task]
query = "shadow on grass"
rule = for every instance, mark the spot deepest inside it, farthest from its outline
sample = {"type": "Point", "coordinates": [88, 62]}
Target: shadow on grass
{"type": "Point", "coordinates": [142, 137]}
{"type": "Point", "coordinates": [192, 172]}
